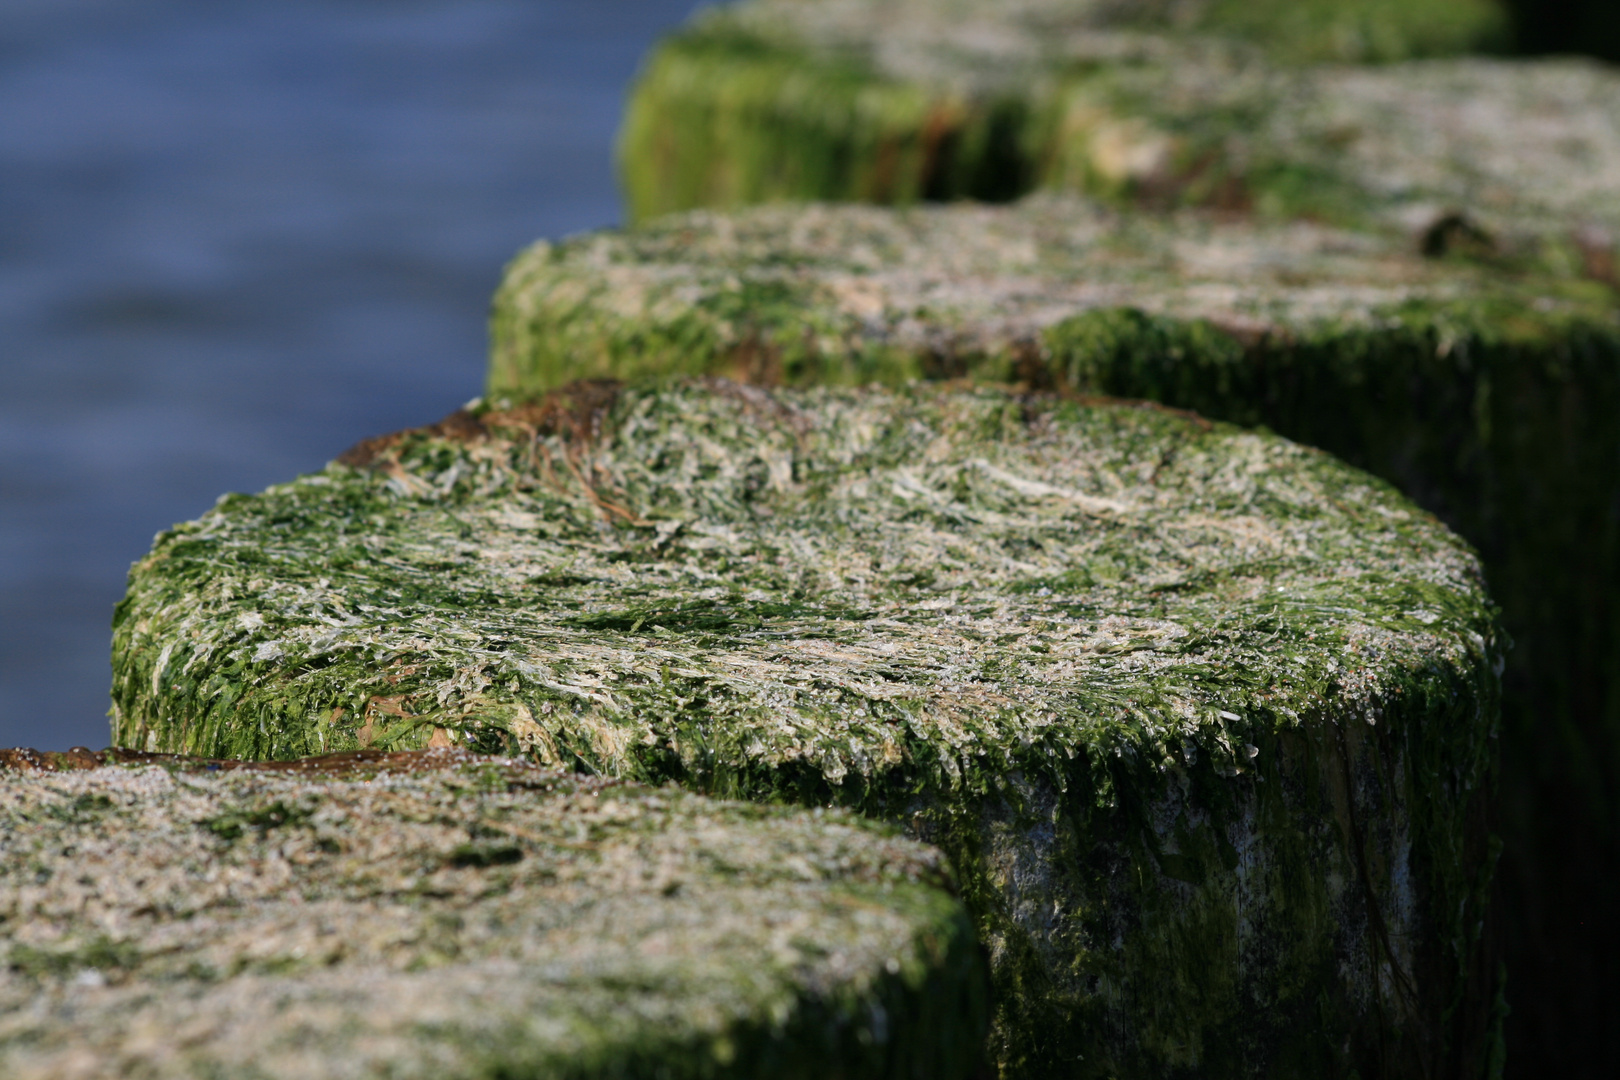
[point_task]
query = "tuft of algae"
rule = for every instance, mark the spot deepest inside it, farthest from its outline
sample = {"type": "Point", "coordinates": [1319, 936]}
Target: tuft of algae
{"type": "Point", "coordinates": [1477, 371]}
{"type": "Point", "coordinates": [1205, 720]}
{"type": "Point", "coordinates": [867, 101]}
{"type": "Point", "coordinates": [442, 915]}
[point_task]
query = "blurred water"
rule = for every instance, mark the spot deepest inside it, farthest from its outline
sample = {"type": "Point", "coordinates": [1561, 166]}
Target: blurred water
{"type": "Point", "coordinates": [235, 238]}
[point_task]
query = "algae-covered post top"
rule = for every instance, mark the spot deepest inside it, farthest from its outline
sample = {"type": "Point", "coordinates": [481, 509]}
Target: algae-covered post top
{"type": "Point", "coordinates": [1050, 291]}
{"type": "Point", "coordinates": [1202, 717]}
{"type": "Point", "coordinates": [1158, 104]}
{"type": "Point", "coordinates": [451, 916]}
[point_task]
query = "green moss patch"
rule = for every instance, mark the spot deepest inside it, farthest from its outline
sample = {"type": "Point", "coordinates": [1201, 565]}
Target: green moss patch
{"type": "Point", "coordinates": [789, 100]}
{"type": "Point", "coordinates": [1204, 718]}
{"type": "Point", "coordinates": [451, 916]}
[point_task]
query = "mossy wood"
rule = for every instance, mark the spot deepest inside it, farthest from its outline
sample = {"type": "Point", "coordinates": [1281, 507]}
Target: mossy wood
{"type": "Point", "coordinates": [794, 100]}
{"type": "Point", "coordinates": [1484, 384]}
{"type": "Point", "coordinates": [451, 916]}
{"type": "Point", "coordinates": [1205, 719]}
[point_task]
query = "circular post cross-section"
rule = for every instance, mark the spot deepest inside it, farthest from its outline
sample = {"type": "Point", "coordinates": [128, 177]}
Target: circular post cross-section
{"type": "Point", "coordinates": [1205, 719]}
{"type": "Point", "coordinates": [442, 916]}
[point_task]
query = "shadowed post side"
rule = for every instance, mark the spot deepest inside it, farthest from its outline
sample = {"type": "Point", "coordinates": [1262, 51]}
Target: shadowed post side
{"type": "Point", "coordinates": [1205, 720]}
{"type": "Point", "coordinates": [442, 915]}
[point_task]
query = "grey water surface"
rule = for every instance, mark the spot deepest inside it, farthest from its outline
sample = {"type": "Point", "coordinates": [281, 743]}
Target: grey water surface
{"type": "Point", "coordinates": [236, 237]}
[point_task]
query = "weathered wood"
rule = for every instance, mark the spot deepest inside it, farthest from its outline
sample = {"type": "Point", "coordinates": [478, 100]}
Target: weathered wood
{"type": "Point", "coordinates": [443, 915]}
{"type": "Point", "coordinates": [1204, 719]}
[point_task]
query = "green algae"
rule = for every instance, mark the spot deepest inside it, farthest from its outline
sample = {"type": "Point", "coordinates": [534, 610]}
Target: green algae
{"type": "Point", "coordinates": [848, 295]}
{"type": "Point", "coordinates": [1205, 720]}
{"type": "Point", "coordinates": [450, 916]}
{"type": "Point", "coordinates": [779, 100]}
